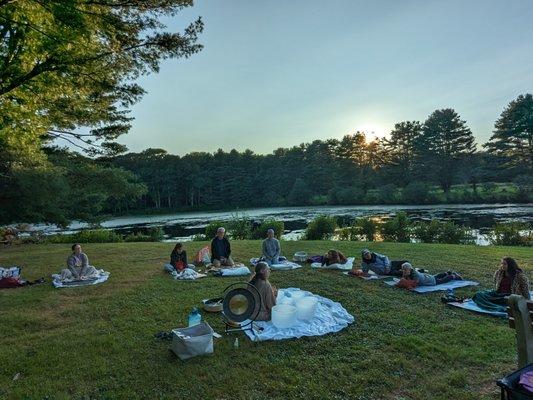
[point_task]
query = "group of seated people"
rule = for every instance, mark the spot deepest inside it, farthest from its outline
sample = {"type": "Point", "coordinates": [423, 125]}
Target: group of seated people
{"type": "Point", "coordinates": [509, 278]}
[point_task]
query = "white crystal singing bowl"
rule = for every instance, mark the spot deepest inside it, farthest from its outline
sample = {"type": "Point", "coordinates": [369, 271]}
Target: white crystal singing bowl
{"type": "Point", "coordinates": [284, 316]}
{"type": "Point", "coordinates": [306, 308]}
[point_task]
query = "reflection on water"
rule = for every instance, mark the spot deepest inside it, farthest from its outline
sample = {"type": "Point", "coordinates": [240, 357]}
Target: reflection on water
{"type": "Point", "coordinates": [181, 226]}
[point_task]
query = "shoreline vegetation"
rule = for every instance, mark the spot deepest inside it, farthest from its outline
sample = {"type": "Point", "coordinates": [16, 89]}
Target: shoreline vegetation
{"type": "Point", "coordinates": [399, 228]}
{"type": "Point", "coordinates": [394, 330]}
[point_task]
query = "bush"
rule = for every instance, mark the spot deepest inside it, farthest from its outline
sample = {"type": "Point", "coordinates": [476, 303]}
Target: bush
{"type": "Point", "coordinates": [270, 223]}
{"type": "Point", "coordinates": [321, 228]}
{"type": "Point", "coordinates": [211, 229]}
{"type": "Point", "coordinates": [397, 229]}
{"type": "Point", "coordinates": [156, 234]}
{"type": "Point", "coordinates": [346, 196]}
{"type": "Point", "coordinates": [138, 237]}
{"type": "Point", "coordinates": [442, 232]}
{"type": "Point", "coordinates": [350, 233]}
{"type": "Point", "coordinates": [512, 234]}
{"type": "Point", "coordinates": [368, 228]}
{"type": "Point", "coordinates": [240, 227]}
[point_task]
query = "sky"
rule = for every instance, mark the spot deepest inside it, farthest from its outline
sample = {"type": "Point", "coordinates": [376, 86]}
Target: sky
{"type": "Point", "coordinates": [277, 73]}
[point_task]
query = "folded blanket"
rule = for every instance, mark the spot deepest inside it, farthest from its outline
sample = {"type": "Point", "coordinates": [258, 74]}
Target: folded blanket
{"type": "Point", "coordinates": [9, 272]}
{"type": "Point", "coordinates": [99, 277]}
{"type": "Point", "coordinates": [282, 265]}
{"type": "Point", "coordinates": [436, 288]}
{"type": "Point", "coordinates": [329, 317]}
{"type": "Point", "coordinates": [348, 265]}
{"type": "Point", "coordinates": [470, 305]}
{"type": "Point", "coordinates": [237, 271]}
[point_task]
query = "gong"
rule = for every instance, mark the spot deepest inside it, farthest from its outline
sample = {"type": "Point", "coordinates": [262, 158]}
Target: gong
{"type": "Point", "coordinates": [242, 302]}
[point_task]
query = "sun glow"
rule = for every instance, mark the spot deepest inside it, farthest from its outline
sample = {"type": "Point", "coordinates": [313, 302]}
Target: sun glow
{"type": "Point", "coordinates": [372, 131]}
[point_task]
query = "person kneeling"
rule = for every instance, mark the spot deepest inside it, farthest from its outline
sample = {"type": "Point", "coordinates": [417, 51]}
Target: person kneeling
{"type": "Point", "coordinates": [267, 293]}
{"type": "Point", "coordinates": [509, 279]}
{"type": "Point", "coordinates": [78, 266]}
{"type": "Point", "coordinates": [424, 279]}
{"type": "Point", "coordinates": [221, 250]}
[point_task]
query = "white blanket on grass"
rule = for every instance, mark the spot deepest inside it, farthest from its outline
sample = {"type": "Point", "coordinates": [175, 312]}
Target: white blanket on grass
{"type": "Point", "coordinates": [99, 277]}
{"type": "Point", "coordinates": [436, 288]}
{"type": "Point", "coordinates": [470, 305]}
{"type": "Point", "coordinates": [372, 276]}
{"type": "Point", "coordinates": [237, 271]}
{"type": "Point", "coordinates": [188, 274]}
{"type": "Point", "coordinates": [329, 317]}
{"type": "Point", "coordinates": [282, 265]}
{"type": "Point", "coordinates": [348, 265]}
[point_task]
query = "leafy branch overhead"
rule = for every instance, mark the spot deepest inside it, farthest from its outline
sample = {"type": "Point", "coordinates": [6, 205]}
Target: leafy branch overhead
{"type": "Point", "coordinates": [70, 64]}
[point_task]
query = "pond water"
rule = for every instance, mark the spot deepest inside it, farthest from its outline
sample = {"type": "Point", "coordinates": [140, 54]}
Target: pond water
{"type": "Point", "coordinates": [181, 226]}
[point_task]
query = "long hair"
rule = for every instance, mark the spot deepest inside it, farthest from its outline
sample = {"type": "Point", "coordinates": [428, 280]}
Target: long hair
{"type": "Point", "coordinates": [512, 266]}
{"type": "Point", "coordinates": [333, 256]}
{"type": "Point", "coordinates": [178, 246]}
{"type": "Point", "coordinates": [260, 269]}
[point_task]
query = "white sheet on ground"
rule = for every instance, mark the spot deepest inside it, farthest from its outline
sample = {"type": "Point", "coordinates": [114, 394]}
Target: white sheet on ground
{"type": "Point", "coordinates": [348, 265]}
{"type": "Point", "coordinates": [329, 317]}
{"type": "Point", "coordinates": [472, 306]}
{"type": "Point", "coordinates": [99, 277]}
{"type": "Point", "coordinates": [238, 271]}
{"type": "Point", "coordinates": [282, 265]}
{"type": "Point", "coordinates": [436, 288]}
{"type": "Point", "coordinates": [372, 276]}
{"type": "Point", "coordinates": [188, 274]}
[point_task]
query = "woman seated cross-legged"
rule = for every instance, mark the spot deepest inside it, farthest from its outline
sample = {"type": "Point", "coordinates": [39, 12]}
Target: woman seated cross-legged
{"type": "Point", "coordinates": [267, 293]}
{"type": "Point", "coordinates": [78, 267]}
{"type": "Point", "coordinates": [509, 279]}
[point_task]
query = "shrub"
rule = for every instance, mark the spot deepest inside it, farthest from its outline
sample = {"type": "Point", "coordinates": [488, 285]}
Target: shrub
{"type": "Point", "coordinates": [321, 228]}
{"type": "Point", "coordinates": [211, 228]}
{"type": "Point", "coordinates": [240, 227]}
{"type": "Point", "coordinates": [270, 223]}
{"type": "Point", "coordinates": [137, 237]}
{"type": "Point", "coordinates": [156, 234]}
{"type": "Point", "coordinates": [397, 229]}
{"type": "Point", "coordinates": [512, 234]}
{"type": "Point", "coordinates": [368, 228]}
{"type": "Point", "coordinates": [350, 233]}
{"type": "Point", "coordinates": [442, 232]}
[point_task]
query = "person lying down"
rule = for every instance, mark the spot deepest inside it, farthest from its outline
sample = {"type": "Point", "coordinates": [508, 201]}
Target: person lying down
{"type": "Point", "coordinates": [78, 267]}
{"type": "Point", "coordinates": [412, 277]}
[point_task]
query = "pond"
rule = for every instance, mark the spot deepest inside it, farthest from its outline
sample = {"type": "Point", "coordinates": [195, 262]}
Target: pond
{"type": "Point", "coordinates": [182, 226]}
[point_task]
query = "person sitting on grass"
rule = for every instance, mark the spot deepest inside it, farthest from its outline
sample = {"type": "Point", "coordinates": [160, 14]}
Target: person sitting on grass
{"type": "Point", "coordinates": [379, 264]}
{"type": "Point", "coordinates": [78, 265]}
{"type": "Point", "coordinates": [509, 279]}
{"type": "Point", "coordinates": [221, 250]}
{"type": "Point", "coordinates": [271, 248]}
{"type": "Point", "coordinates": [334, 257]}
{"type": "Point", "coordinates": [267, 292]}
{"type": "Point", "coordinates": [178, 259]}
{"type": "Point", "coordinates": [425, 279]}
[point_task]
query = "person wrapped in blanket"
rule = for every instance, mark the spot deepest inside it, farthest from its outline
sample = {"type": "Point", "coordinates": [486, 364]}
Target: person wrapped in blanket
{"type": "Point", "coordinates": [379, 264]}
{"type": "Point", "coordinates": [334, 257]}
{"type": "Point", "coordinates": [178, 259]}
{"type": "Point", "coordinates": [412, 278]}
{"type": "Point", "coordinates": [78, 267]}
{"type": "Point", "coordinates": [267, 292]}
{"type": "Point", "coordinates": [508, 279]}
{"type": "Point", "coordinates": [271, 249]}
{"type": "Point", "coordinates": [221, 250]}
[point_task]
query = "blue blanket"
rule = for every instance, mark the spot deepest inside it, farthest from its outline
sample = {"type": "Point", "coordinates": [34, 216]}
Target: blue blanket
{"type": "Point", "coordinates": [436, 288]}
{"type": "Point", "coordinates": [471, 306]}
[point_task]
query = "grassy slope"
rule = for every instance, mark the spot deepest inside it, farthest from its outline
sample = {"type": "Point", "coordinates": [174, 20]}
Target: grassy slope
{"type": "Point", "coordinates": [97, 342]}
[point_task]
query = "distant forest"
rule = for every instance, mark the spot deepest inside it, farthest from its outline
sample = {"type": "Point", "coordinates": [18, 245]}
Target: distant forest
{"type": "Point", "coordinates": [435, 161]}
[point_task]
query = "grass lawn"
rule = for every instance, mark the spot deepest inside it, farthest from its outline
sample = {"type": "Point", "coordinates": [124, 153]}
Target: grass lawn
{"type": "Point", "coordinates": [98, 342]}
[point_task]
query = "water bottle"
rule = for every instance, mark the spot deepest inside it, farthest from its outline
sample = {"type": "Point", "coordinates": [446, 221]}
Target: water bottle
{"type": "Point", "coordinates": [236, 343]}
{"type": "Point", "coordinates": [195, 317]}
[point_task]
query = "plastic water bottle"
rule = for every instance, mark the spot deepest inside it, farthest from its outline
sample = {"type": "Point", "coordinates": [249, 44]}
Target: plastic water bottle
{"type": "Point", "coordinates": [236, 343]}
{"type": "Point", "coordinates": [195, 317]}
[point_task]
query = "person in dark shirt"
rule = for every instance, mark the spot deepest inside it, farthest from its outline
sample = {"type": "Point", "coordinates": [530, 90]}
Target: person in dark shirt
{"type": "Point", "coordinates": [221, 250]}
{"type": "Point", "coordinates": [178, 257]}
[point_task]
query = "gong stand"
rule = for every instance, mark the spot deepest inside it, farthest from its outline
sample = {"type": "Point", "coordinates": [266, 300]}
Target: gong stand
{"type": "Point", "coordinates": [241, 302]}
